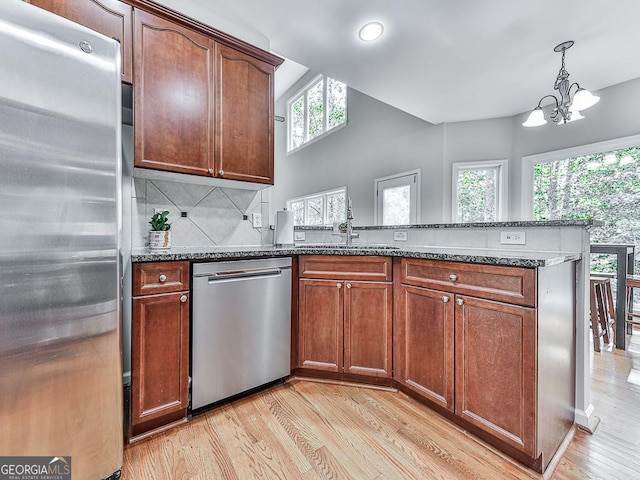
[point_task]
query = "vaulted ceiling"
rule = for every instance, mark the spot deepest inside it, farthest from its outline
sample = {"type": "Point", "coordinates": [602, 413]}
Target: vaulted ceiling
{"type": "Point", "coordinates": [451, 60]}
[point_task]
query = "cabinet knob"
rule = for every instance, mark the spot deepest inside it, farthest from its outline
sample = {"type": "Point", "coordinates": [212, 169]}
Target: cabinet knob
{"type": "Point", "coordinates": [348, 285]}
{"type": "Point", "coordinates": [162, 278]}
{"type": "Point", "coordinates": [221, 172]}
{"type": "Point", "coordinates": [460, 301]}
{"type": "Point", "coordinates": [453, 277]}
{"type": "Point", "coordinates": [210, 171]}
{"type": "Point", "coordinates": [445, 299]}
{"type": "Point", "coordinates": [339, 285]}
{"type": "Point", "coordinates": [183, 299]}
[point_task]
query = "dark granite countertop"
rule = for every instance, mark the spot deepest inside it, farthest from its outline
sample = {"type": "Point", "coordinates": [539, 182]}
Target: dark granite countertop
{"type": "Point", "coordinates": [515, 258]}
{"type": "Point", "coordinates": [587, 223]}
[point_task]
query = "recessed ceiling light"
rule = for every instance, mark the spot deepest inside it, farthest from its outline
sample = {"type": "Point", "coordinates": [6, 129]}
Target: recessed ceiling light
{"type": "Point", "coordinates": [371, 31]}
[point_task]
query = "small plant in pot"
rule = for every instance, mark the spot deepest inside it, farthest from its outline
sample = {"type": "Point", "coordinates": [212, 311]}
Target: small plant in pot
{"type": "Point", "coordinates": [160, 234]}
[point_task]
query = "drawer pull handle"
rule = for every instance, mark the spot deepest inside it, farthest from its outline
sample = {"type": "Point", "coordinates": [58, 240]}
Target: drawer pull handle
{"type": "Point", "coordinates": [453, 277]}
{"type": "Point", "coordinates": [162, 278]}
{"type": "Point", "coordinates": [339, 285]}
{"type": "Point", "coordinates": [445, 299]}
{"type": "Point", "coordinates": [460, 301]}
{"type": "Point", "coordinates": [183, 299]}
{"type": "Point", "coordinates": [221, 172]}
{"type": "Point", "coordinates": [348, 285]}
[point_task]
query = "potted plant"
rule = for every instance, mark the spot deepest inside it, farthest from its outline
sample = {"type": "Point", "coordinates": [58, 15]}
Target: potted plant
{"type": "Point", "coordinates": [160, 234]}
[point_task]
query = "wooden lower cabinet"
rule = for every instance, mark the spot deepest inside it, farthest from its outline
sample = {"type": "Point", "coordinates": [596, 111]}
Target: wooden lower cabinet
{"type": "Point", "coordinates": [424, 337]}
{"type": "Point", "coordinates": [504, 371]}
{"type": "Point", "coordinates": [345, 324]}
{"type": "Point", "coordinates": [320, 325]}
{"type": "Point", "coordinates": [495, 370]}
{"type": "Point", "coordinates": [368, 328]}
{"type": "Point", "coordinates": [491, 354]}
{"type": "Point", "coordinates": [159, 360]}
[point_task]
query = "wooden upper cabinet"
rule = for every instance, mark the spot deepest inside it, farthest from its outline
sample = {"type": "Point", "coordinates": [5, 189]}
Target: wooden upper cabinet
{"type": "Point", "coordinates": [109, 17]}
{"type": "Point", "coordinates": [173, 95]}
{"type": "Point", "coordinates": [244, 117]}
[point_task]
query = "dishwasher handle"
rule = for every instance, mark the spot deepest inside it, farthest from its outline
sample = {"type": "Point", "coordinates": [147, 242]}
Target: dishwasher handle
{"type": "Point", "coordinates": [242, 274]}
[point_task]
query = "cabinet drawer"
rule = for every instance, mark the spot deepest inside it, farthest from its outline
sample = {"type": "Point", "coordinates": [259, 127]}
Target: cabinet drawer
{"type": "Point", "coordinates": [504, 284]}
{"type": "Point", "coordinates": [160, 277]}
{"type": "Point", "coordinates": [346, 268]}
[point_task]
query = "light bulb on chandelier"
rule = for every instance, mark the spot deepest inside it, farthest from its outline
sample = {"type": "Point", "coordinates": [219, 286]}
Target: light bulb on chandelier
{"type": "Point", "coordinates": [567, 107]}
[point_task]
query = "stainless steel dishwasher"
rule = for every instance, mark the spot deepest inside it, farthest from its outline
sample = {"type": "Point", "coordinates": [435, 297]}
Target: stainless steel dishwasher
{"type": "Point", "coordinates": [241, 327]}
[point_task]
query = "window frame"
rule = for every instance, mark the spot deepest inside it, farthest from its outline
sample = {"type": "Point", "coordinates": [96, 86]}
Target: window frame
{"type": "Point", "coordinates": [324, 194]}
{"type": "Point", "coordinates": [414, 213]}
{"type": "Point", "coordinates": [502, 185]}
{"type": "Point", "coordinates": [528, 164]}
{"type": "Point", "coordinates": [303, 93]}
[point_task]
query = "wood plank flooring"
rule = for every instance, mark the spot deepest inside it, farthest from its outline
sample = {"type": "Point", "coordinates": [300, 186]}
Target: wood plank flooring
{"type": "Point", "coordinates": [307, 430]}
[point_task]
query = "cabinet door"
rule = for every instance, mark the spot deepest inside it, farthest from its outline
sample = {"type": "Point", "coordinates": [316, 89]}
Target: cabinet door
{"type": "Point", "coordinates": [109, 17]}
{"type": "Point", "coordinates": [173, 95]}
{"type": "Point", "coordinates": [424, 355]}
{"type": "Point", "coordinates": [320, 329]}
{"type": "Point", "coordinates": [496, 369]}
{"type": "Point", "coordinates": [368, 328]}
{"type": "Point", "coordinates": [159, 358]}
{"type": "Point", "coordinates": [244, 117]}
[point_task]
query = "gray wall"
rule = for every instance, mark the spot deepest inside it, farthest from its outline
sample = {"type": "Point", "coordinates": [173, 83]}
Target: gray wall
{"type": "Point", "coordinates": [380, 140]}
{"type": "Point", "coordinates": [377, 141]}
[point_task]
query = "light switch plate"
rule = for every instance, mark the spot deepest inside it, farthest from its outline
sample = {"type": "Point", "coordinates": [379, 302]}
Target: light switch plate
{"type": "Point", "coordinates": [256, 220]}
{"type": "Point", "coordinates": [400, 236]}
{"type": "Point", "coordinates": [513, 238]}
{"type": "Point", "coordinates": [299, 236]}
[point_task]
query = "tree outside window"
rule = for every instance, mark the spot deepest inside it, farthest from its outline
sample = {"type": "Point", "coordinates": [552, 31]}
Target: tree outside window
{"type": "Point", "coordinates": [479, 191]}
{"type": "Point", "coordinates": [317, 109]}
{"type": "Point", "coordinates": [603, 186]}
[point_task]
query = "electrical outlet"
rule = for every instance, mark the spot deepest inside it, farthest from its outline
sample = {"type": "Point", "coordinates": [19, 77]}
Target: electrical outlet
{"type": "Point", "coordinates": [299, 236]}
{"type": "Point", "coordinates": [400, 236]}
{"type": "Point", "coordinates": [256, 220]}
{"type": "Point", "coordinates": [512, 238]}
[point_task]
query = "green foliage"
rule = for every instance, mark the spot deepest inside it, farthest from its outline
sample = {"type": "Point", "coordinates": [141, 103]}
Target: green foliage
{"type": "Point", "coordinates": [159, 221]}
{"type": "Point", "coordinates": [604, 186]}
{"type": "Point", "coordinates": [477, 195]}
{"type": "Point", "coordinates": [314, 113]}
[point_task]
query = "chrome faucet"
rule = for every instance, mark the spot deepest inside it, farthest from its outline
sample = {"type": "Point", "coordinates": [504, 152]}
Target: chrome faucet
{"type": "Point", "coordinates": [350, 234]}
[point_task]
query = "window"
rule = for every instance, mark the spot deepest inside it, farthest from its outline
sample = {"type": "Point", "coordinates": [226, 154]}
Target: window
{"type": "Point", "coordinates": [319, 108]}
{"type": "Point", "coordinates": [603, 186]}
{"type": "Point", "coordinates": [397, 199]}
{"type": "Point", "coordinates": [479, 191]}
{"type": "Point", "coordinates": [320, 209]}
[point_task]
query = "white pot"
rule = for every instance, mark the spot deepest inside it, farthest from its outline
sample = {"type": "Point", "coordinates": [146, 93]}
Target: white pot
{"type": "Point", "coordinates": [160, 240]}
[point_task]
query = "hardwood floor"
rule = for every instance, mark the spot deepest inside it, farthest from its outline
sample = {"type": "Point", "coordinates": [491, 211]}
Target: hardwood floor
{"type": "Point", "coordinates": [307, 430]}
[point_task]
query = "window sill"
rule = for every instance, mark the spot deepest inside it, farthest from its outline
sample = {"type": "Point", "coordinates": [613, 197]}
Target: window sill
{"type": "Point", "coordinates": [319, 137]}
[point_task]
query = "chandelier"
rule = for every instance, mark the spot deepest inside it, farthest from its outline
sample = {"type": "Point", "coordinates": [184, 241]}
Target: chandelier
{"type": "Point", "coordinates": [567, 109]}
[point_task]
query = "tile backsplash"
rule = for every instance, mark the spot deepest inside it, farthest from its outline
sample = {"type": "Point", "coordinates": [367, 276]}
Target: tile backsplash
{"type": "Point", "coordinates": [215, 215]}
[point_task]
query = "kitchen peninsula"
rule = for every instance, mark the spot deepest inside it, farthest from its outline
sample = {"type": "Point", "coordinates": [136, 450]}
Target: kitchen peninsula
{"type": "Point", "coordinates": [483, 334]}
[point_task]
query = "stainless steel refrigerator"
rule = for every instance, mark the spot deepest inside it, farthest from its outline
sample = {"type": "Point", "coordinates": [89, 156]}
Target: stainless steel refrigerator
{"type": "Point", "coordinates": [60, 224]}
